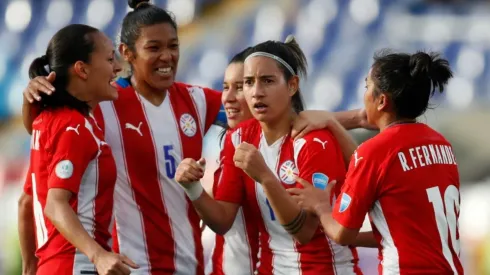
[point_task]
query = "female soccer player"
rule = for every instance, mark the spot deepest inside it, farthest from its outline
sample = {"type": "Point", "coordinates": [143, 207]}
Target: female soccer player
{"type": "Point", "coordinates": [72, 173]}
{"type": "Point", "coordinates": [236, 251]}
{"type": "Point", "coordinates": [154, 124]}
{"type": "Point", "coordinates": [406, 177]}
{"type": "Point", "coordinates": [290, 240]}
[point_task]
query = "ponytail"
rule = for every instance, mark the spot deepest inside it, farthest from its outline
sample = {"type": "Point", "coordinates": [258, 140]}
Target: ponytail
{"type": "Point", "coordinates": [38, 67]}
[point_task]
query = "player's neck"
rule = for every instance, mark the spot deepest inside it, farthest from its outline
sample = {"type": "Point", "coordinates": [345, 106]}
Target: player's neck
{"type": "Point", "coordinates": [390, 120]}
{"type": "Point", "coordinates": [276, 130]}
{"type": "Point", "coordinates": [152, 95]}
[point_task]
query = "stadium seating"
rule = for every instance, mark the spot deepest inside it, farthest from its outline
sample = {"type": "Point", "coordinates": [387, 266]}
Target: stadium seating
{"type": "Point", "coordinates": [339, 37]}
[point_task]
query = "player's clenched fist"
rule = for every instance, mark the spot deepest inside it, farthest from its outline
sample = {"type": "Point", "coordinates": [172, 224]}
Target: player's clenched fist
{"type": "Point", "coordinates": [108, 263]}
{"type": "Point", "coordinates": [190, 171]}
{"type": "Point", "coordinates": [251, 161]}
{"type": "Point", "coordinates": [188, 174]}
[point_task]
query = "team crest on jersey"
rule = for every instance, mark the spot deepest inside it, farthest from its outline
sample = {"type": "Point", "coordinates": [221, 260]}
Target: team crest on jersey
{"type": "Point", "coordinates": [344, 202]}
{"type": "Point", "coordinates": [188, 125]}
{"type": "Point", "coordinates": [287, 172]}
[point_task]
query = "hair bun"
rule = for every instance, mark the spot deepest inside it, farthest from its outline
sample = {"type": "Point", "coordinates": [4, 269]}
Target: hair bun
{"type": "Point", "coordinates": [44, 59]}
{"type": "Point", "coordinates": [420, 65]}
{"type": "Point", "coordinates": [134, 4]}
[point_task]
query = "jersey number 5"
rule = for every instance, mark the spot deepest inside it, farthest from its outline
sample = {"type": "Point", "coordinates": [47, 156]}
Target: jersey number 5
{"type": "Point", "coordinates": [447, 222]}
{"type": "Point", "coordinates": [169, 160]}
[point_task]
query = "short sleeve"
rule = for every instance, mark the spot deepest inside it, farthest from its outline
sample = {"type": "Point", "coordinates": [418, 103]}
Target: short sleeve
{"type": "Point", "coordinates": [73, 148]}
{"type": "Point", "coordinates": [28, 182]}
{"type": "Point", "coordinates": [231, 181]}
{"type": "Point", "coordinates": [215, 113]}
{"type": "Point", "coordinates": [359, 191]}
{"type": "Point", "coordinates": [320, 159]}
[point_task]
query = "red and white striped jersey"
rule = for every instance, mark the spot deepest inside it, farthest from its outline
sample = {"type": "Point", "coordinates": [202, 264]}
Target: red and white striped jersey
{"type": "Point", "coordinates": [407, 179]}
{"type": "Point", "coordinates": [68, 152]}
{"type": "Point", "coordinates": [317, 156]}
{"type": "Point", "coordinates": [234, 253]}
{"type": "Point", "coordinates": [157, 227]}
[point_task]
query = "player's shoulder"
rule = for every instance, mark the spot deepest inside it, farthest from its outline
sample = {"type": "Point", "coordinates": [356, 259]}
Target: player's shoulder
{"type": "Point", "coordinates": [60, 117]}
{"type": "Point", "coordinates": [316, 140]}
{"type": "Point", "coordinates": [322, 134]}
{"type": "Point", "coordinates": [192, 88]}
{"type": "Point", "coordinates": [248, 127]}
{"type": "Point", "coordinates": [244, 131]}
{"type": "Point", "coordinates": [57, 121]}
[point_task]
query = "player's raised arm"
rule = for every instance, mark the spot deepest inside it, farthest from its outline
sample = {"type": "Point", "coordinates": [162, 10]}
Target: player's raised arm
{"type": "Point", "coordinates": [38, 87]}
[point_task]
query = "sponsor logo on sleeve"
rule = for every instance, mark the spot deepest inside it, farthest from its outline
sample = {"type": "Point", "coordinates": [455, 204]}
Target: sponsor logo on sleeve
{"type": "Point", "coordinates": [344, 202]}
{"type": "Point", "coordinates": [319, 180]}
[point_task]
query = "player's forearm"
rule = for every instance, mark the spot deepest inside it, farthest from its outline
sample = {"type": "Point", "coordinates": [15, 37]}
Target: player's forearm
{"type": "Point", "coordinates": [330, 226]}
{"type": "Point", "coordinates": [29, 113]}
{"type": "Point", "coordinates": [366, 239]}
{"type": "Point", "coordinates": [67, 223]}
{"type": "Point", "coordinates": [298, 223]}
{"type": "Point", "coordinates": [214, 213]}
{"type": "Point", "coordinates": [347, 144]}
{"type": "Point", "coordinates": [349, 119]}
{"type": "Point", "coordinates": [27, 236]}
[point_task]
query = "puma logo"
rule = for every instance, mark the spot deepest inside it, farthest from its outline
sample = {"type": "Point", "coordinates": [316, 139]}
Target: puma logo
{"type": "Point", "coordinates": [323, 143]}
{"type": "Point", "coordinates": [69, 128]}
{"type": "Point", "coordinates": [356, 159]}
{"type": "Point", "coordinates": [137, 129]}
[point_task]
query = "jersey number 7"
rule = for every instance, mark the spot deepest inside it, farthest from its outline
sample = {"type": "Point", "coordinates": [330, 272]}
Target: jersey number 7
{"type": "Point", "coordinates": [447, 222]}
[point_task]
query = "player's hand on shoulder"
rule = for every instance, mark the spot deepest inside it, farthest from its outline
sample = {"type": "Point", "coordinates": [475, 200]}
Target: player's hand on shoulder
{"type": "Point", "coordinates": [312, 199]}
{"type": "Point", "coordinates": [38, 85]}
{"type": "Point", "coordinates": [108, 263]}
{"type": "Point", "coordinates": [190, 171]}
{"type": "Point", "coordinates": [308, 121]}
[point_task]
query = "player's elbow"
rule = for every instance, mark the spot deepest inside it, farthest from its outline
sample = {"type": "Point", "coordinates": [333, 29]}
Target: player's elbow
{"type": "Point", "coordinates": [305, 235]}
{"type": "Point", "coordinates": [303, 239]}
{"type": "Point", "coordinates": [25, 202]}
{"type": "Point", "coordinates": [345, 237]}
{"type": "Point", "coordinates": [342, 240]}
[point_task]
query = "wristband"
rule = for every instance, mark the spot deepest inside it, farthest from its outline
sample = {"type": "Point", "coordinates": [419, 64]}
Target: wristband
{"type": "Point", "coordinates": [193, 190]}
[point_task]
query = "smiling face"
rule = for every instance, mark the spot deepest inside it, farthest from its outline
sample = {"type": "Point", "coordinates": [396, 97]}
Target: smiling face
{"type": "Point", "coordinates": [267, 92]}
{"type": "Point", "coordinates": [156, 55]}
{"type": "Point", "coordinates": [101, 70]}
{"type": "Point", "coordinates": [232, 97]}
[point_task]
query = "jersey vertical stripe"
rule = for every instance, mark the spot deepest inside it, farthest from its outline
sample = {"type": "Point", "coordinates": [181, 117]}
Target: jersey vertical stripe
{"type": "Point", "coordinates": [145, 180]}
{"type": "Point", "coordinates": [130, 235]}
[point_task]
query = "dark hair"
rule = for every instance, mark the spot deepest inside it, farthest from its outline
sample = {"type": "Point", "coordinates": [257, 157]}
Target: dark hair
{"type": "Point", "coordinates": [144, 14]}
{"type": "Point", "coordinates": [292, 54]}
{"type": "Point", "coordinates": [238, 58]}
{"type": "Point", "coordinates": [70, 44]}
{"type": "Point", "coordinates": [409, 80]}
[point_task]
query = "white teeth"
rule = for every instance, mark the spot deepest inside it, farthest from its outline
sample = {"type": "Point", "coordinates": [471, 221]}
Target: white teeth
{"type": "Point", "coordinates": [166, 70]}
{"type": "Point", "coordinates": [232, 111]}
